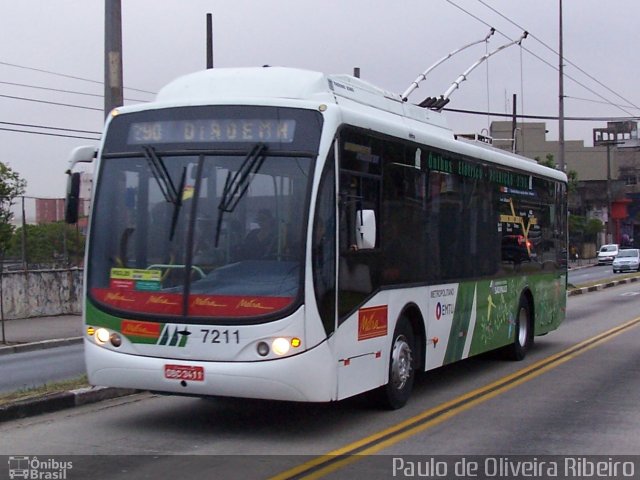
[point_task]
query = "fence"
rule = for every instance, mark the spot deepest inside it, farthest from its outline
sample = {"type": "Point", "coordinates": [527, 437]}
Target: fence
{"type": "Point", "coordinates": [41, 265]}
{"type": "Point", "coordinates": [41, 239]}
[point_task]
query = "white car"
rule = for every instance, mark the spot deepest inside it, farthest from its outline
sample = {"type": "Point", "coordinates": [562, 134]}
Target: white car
{"type": "Point", "coordinates": [607, 253]}
{"type": "Point", "coordinates": [627, 260]}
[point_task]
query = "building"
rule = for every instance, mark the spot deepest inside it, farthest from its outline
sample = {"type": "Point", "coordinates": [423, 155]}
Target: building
{"type": "Point", "coordinates": [49, 210]}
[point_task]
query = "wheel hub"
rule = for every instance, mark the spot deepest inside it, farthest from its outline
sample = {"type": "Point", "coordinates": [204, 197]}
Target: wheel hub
{"type": "Point", "coordinates": [401, 364]}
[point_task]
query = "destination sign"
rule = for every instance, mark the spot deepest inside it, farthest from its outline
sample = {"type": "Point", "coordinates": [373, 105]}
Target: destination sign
{"type": "Point", "coordinates": [212, 131]}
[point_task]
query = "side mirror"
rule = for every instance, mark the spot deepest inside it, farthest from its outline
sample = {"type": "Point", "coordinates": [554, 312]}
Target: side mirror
{"type": "Point", "coordinates": [72, 200]}
{"type": "Point", "coordinates": [366, 229]}
{"type": "Point", "coordinates": [85, 154]}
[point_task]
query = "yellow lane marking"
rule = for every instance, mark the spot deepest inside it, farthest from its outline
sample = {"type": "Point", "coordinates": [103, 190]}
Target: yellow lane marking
{"type": "Point", "coordinates": [336, 459]}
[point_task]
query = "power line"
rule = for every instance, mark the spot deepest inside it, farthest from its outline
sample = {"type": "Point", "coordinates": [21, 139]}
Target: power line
{"type": "Point", "coordinates": [47, 133]}
{"type": "Point", "coordinates": [538, 57]}
{"type": "Point", "coordinates": [41, 70]}
{"type": "Point", "coordinates": [596, 101]}
{"type": "Point", "coordinates": [544, 117]}
{"type": "Point", "coordinates": [563, 57]}
{"type": "Point", "coordinates": [75, 92]}
{"type": "Point", "coordinates": [49, 103]}
{"type": "Point", "coordinates": [49, 128]}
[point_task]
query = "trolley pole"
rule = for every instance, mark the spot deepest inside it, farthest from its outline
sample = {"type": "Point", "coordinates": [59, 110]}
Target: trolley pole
{"type": "Point", "coordinates": [113, 89]}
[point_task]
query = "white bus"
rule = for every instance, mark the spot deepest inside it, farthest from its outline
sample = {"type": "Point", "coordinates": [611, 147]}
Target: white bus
{"type": "Point", "coordinates": [283, 234]}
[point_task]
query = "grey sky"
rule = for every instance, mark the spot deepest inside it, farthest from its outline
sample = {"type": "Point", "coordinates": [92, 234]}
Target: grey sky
{"type": "Point", "coordinates": [391, 42]}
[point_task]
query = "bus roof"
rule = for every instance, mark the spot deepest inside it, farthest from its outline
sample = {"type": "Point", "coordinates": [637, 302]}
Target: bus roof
{"type": "Point", "coordinates": [264, 84]}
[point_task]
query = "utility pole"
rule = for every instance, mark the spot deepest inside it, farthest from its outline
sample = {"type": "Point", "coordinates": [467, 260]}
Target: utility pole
{"type": "Point", "coordinates": [608, 137]}
{"type": "Point", "coordinates": [561, 161]}
{"type": "Point", "coordinates": [113, 89]}
{"type": "Point", "coordinates": [514, 126]}
{"type": "Point", "coordinates": [209, 41]}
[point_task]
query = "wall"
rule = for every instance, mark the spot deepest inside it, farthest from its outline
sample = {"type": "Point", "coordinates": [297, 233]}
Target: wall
{"type": "Point", "coordinates": [41, 293]}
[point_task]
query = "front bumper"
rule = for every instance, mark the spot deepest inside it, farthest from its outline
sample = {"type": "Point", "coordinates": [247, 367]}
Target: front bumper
{"type": "Point", "coordinates": [307, 377]}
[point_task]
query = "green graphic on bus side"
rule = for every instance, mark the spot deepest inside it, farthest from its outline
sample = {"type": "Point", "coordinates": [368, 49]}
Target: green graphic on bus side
{"type": "Point", "coordinates": [496, 304]}
{"type": "Point", "coordinates": [97, 318]}
{"type": "Point", "coordinates": [461, 320]}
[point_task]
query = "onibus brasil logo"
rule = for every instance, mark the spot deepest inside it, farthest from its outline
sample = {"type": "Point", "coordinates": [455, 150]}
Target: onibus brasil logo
{"type": "Point", "coordinates": [34, 468]}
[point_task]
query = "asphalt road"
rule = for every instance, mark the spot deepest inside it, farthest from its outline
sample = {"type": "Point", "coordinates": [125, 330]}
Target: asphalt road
{"type": "Point", "coordinates": [575, 394]}
{"type": "Point", "coordinates": [33, 369]}
{"type": "Point", "coordinates": [592, 274]}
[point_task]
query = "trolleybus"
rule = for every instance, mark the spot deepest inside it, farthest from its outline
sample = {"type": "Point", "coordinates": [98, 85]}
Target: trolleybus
{"type": "Point", "coordinates": [284, 234]}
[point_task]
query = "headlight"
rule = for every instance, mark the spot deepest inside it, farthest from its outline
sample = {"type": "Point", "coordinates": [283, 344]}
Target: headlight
{"type": "Point", "coordinates": [280, 346]}
{"type": "Point", "coordinates": [102, 335]}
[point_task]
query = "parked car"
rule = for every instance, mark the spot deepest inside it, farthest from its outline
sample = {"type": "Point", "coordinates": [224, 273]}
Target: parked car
{"type": "Point", "coordinates": [627, 260]}
{"type": "Point", "coordinates": [607, 253]}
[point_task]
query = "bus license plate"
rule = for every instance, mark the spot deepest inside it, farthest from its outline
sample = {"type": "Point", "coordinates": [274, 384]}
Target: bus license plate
{"type": "Point", "coordinates": [184, 372]}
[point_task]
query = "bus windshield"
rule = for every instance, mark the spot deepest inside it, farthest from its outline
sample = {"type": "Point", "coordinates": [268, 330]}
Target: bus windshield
{"type": "Point", "coordinates": [210, 234]}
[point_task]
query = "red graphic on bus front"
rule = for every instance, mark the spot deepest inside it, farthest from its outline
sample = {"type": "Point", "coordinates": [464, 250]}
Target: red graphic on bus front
{"type": "Point", "coordinates": [199, 305]}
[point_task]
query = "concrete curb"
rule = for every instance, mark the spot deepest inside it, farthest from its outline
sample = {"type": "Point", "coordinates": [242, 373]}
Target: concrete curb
{"type": "Point", "coordinates": [42, 345]}
{"type": "Point", "coordinates": [59, 401]}
{"type": "Point", "coordinates": [601, 286]}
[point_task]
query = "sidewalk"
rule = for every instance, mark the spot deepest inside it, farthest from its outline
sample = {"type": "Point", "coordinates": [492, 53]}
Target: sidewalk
{"type": "Point", "coordinates": [28, 334]}
{"type": "Point", "coordinates": [40, 332]}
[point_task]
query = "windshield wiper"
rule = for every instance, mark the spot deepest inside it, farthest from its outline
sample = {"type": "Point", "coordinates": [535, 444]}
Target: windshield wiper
{"type": "Point", "coordinates": [161, 174]}
{"type": "Point", "coordinates": [169, 191]}
{"type": "Point", "coordinates": [236, 185]}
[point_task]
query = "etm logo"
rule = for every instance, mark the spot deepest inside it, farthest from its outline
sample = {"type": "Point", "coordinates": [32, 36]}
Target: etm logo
{"type": "Point", "coordinates": [444, 309]}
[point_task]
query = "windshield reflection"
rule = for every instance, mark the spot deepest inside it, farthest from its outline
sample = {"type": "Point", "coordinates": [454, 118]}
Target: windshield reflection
{"type": "Point", "coordinates": [149, 250]}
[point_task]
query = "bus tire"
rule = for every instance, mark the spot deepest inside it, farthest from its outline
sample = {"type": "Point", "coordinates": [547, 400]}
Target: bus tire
{"type": "Point", "coordinates": [402, 358]}
{"type": "Point", "coordinates": [524, 331]}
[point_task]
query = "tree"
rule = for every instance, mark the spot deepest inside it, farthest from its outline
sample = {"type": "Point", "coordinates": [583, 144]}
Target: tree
{"type": "Point", "coordinates": [547, 162]}
{"type": "Point", "coordinates": [50, 243]}
{"type": "Point", "coordinates": [572, 175]}
{"type": "Point", "coordinates": [11, 187]}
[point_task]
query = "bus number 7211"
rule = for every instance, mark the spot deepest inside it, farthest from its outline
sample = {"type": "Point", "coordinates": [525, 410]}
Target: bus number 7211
{"type": "Point", "coordinates": [218, 336]}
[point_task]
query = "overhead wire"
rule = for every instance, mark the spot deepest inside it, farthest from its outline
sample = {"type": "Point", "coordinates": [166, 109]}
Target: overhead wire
{"type": "Point", "coordinates": [564, 58]}
{"type": "Point", "coordinates": [540, 58]}
{"type": "Point", "coordinates": [48, 102]}
{"type": "Point", "coordinates": [26, 99]}
{"type": "Point", "coordinates": [47, 127]}
{"type": "Point", "coordinates": [59, 90]}
{"type": "Point", "coordinates": [90, 80]}
{"type": "Point", "coordinates": [14, 124]}
{"type": "Point", "coordinates": [543, 117]}
{"type": "Point", "coordinates": [46, 133]}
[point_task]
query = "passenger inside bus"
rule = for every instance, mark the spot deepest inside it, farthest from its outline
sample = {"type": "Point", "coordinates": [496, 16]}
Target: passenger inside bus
{"type": "Point", "coordinates": [260, 242]}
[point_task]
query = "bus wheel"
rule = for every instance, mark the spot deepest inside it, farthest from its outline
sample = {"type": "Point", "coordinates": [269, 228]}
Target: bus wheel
{"type": "Point", "coordinates": [524, 332]}
{"type": "Point", "coordinates": [397, 391]}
